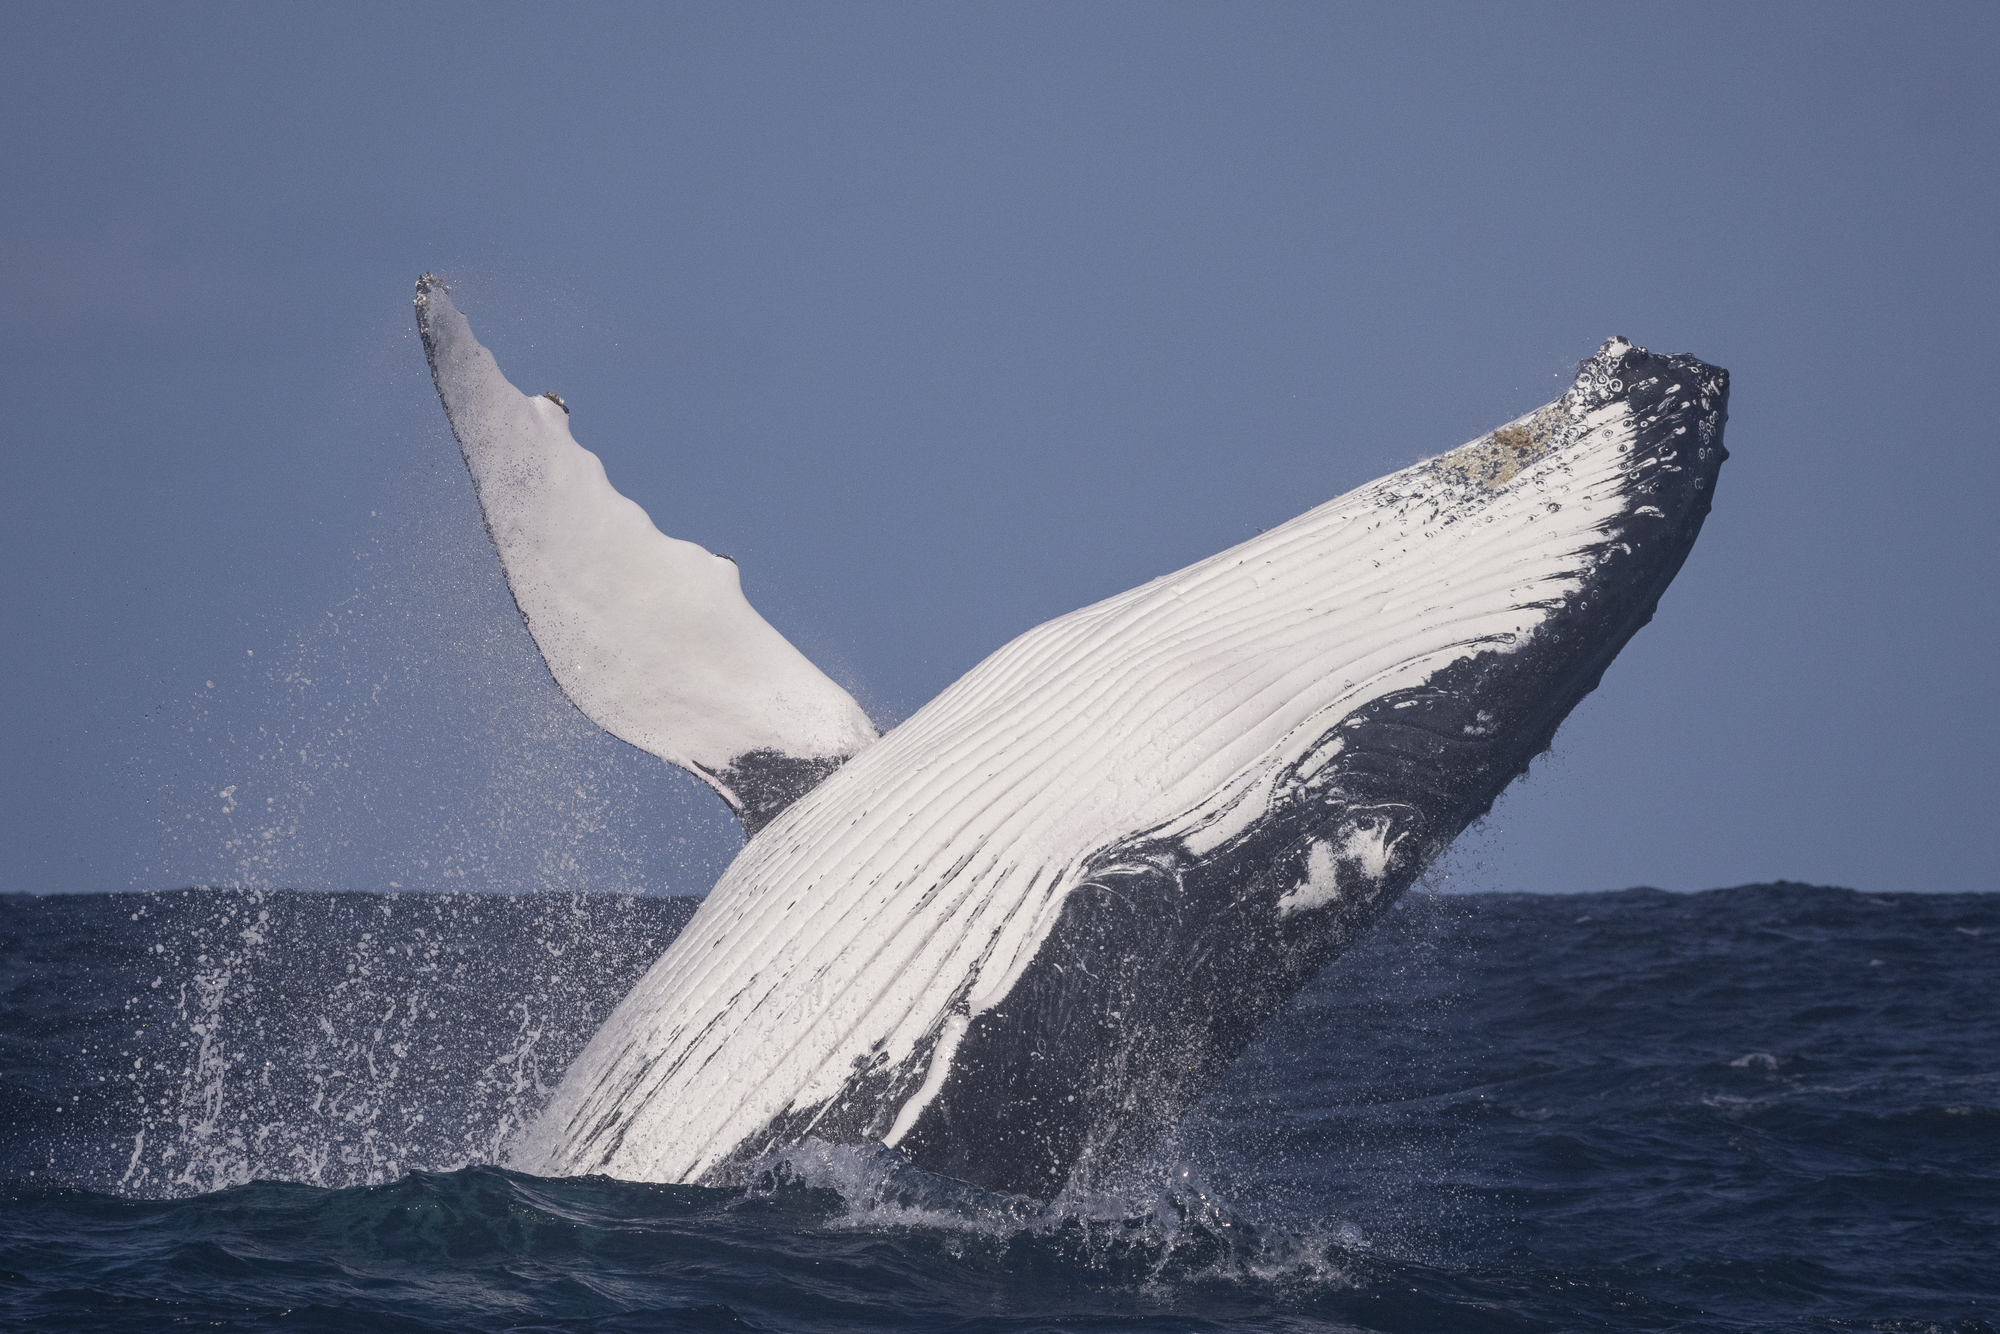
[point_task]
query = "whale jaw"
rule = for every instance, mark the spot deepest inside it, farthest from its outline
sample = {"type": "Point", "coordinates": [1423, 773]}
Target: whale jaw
{"type": "Point", "coordinates": [1018, 937]}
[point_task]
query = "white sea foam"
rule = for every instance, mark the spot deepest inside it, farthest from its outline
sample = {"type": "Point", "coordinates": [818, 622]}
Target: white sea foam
{"type": "Point", "coordinates": [1164, 1230]}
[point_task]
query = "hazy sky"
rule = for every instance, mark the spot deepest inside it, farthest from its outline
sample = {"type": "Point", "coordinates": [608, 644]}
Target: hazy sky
{"type": "Point", "coordinates": [943, 320]}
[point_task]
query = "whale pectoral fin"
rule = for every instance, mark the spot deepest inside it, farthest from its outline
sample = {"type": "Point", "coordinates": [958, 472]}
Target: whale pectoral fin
{"type": "Point", "coordinates": [649, 636]}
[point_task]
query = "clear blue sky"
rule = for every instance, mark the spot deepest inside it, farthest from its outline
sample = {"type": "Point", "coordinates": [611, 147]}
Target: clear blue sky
{"type": "Point", "coordinates": [943, 320]}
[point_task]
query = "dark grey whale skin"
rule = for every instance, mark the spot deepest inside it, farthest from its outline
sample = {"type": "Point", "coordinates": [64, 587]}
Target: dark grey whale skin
{"type": "Point", "coordinates": [1154, 979]}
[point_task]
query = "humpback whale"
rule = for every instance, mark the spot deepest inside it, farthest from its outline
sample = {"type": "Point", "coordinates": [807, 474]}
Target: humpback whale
{"type": "Point", "coordinates": [1016, 937]}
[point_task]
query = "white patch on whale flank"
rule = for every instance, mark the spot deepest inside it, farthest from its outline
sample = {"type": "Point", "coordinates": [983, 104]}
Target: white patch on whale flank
{"type": "Point", "coordinates": [1367, 849]}
{"type": "Point", "coordinates": [1321, 885]}
{"type": "Point", "coordinates": [934, 1077]}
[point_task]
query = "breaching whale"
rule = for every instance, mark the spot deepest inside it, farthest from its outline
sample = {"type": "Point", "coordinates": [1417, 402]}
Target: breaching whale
{"type": "Point", "coordinates": [1017, 936]}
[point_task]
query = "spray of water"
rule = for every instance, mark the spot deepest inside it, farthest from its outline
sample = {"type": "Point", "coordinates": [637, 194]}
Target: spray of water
{"type": "Point", "coordinates": [348, 1039]}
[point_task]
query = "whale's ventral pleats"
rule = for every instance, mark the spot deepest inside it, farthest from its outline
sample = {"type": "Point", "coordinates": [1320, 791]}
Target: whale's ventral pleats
{"type": "Point", "coordinates": [1019, 935]}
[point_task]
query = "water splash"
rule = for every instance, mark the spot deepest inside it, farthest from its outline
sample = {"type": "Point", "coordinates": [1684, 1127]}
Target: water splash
{"type": "Point", "coordinates": [344, 1040]}
{"type": "Point", "coordinates": [1163, 1230]}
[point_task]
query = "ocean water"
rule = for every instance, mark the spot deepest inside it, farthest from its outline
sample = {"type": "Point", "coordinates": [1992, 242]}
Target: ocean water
{"type": "Point", "coordinates": [1774, 1107]}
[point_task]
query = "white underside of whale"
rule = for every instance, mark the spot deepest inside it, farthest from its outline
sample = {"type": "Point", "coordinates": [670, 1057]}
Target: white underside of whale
{"type": "Point", "coordinates": [874, 918]}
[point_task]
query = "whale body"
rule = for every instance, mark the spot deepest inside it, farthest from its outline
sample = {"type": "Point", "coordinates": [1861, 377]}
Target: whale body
{"type": "Point", "coordinates": [1019, 935]}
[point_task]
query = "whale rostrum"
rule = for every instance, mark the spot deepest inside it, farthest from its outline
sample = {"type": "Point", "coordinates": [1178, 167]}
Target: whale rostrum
{"type": "Point", "coordinates": [1019, 935]}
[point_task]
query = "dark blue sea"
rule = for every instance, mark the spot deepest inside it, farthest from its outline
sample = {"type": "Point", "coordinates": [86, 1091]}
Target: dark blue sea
{"type": "Point", "coordinates": [1775, 1107]}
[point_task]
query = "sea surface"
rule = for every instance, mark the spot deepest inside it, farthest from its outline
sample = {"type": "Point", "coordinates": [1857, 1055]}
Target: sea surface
{"type": "Point", "coordinates": [1775, 1107]}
